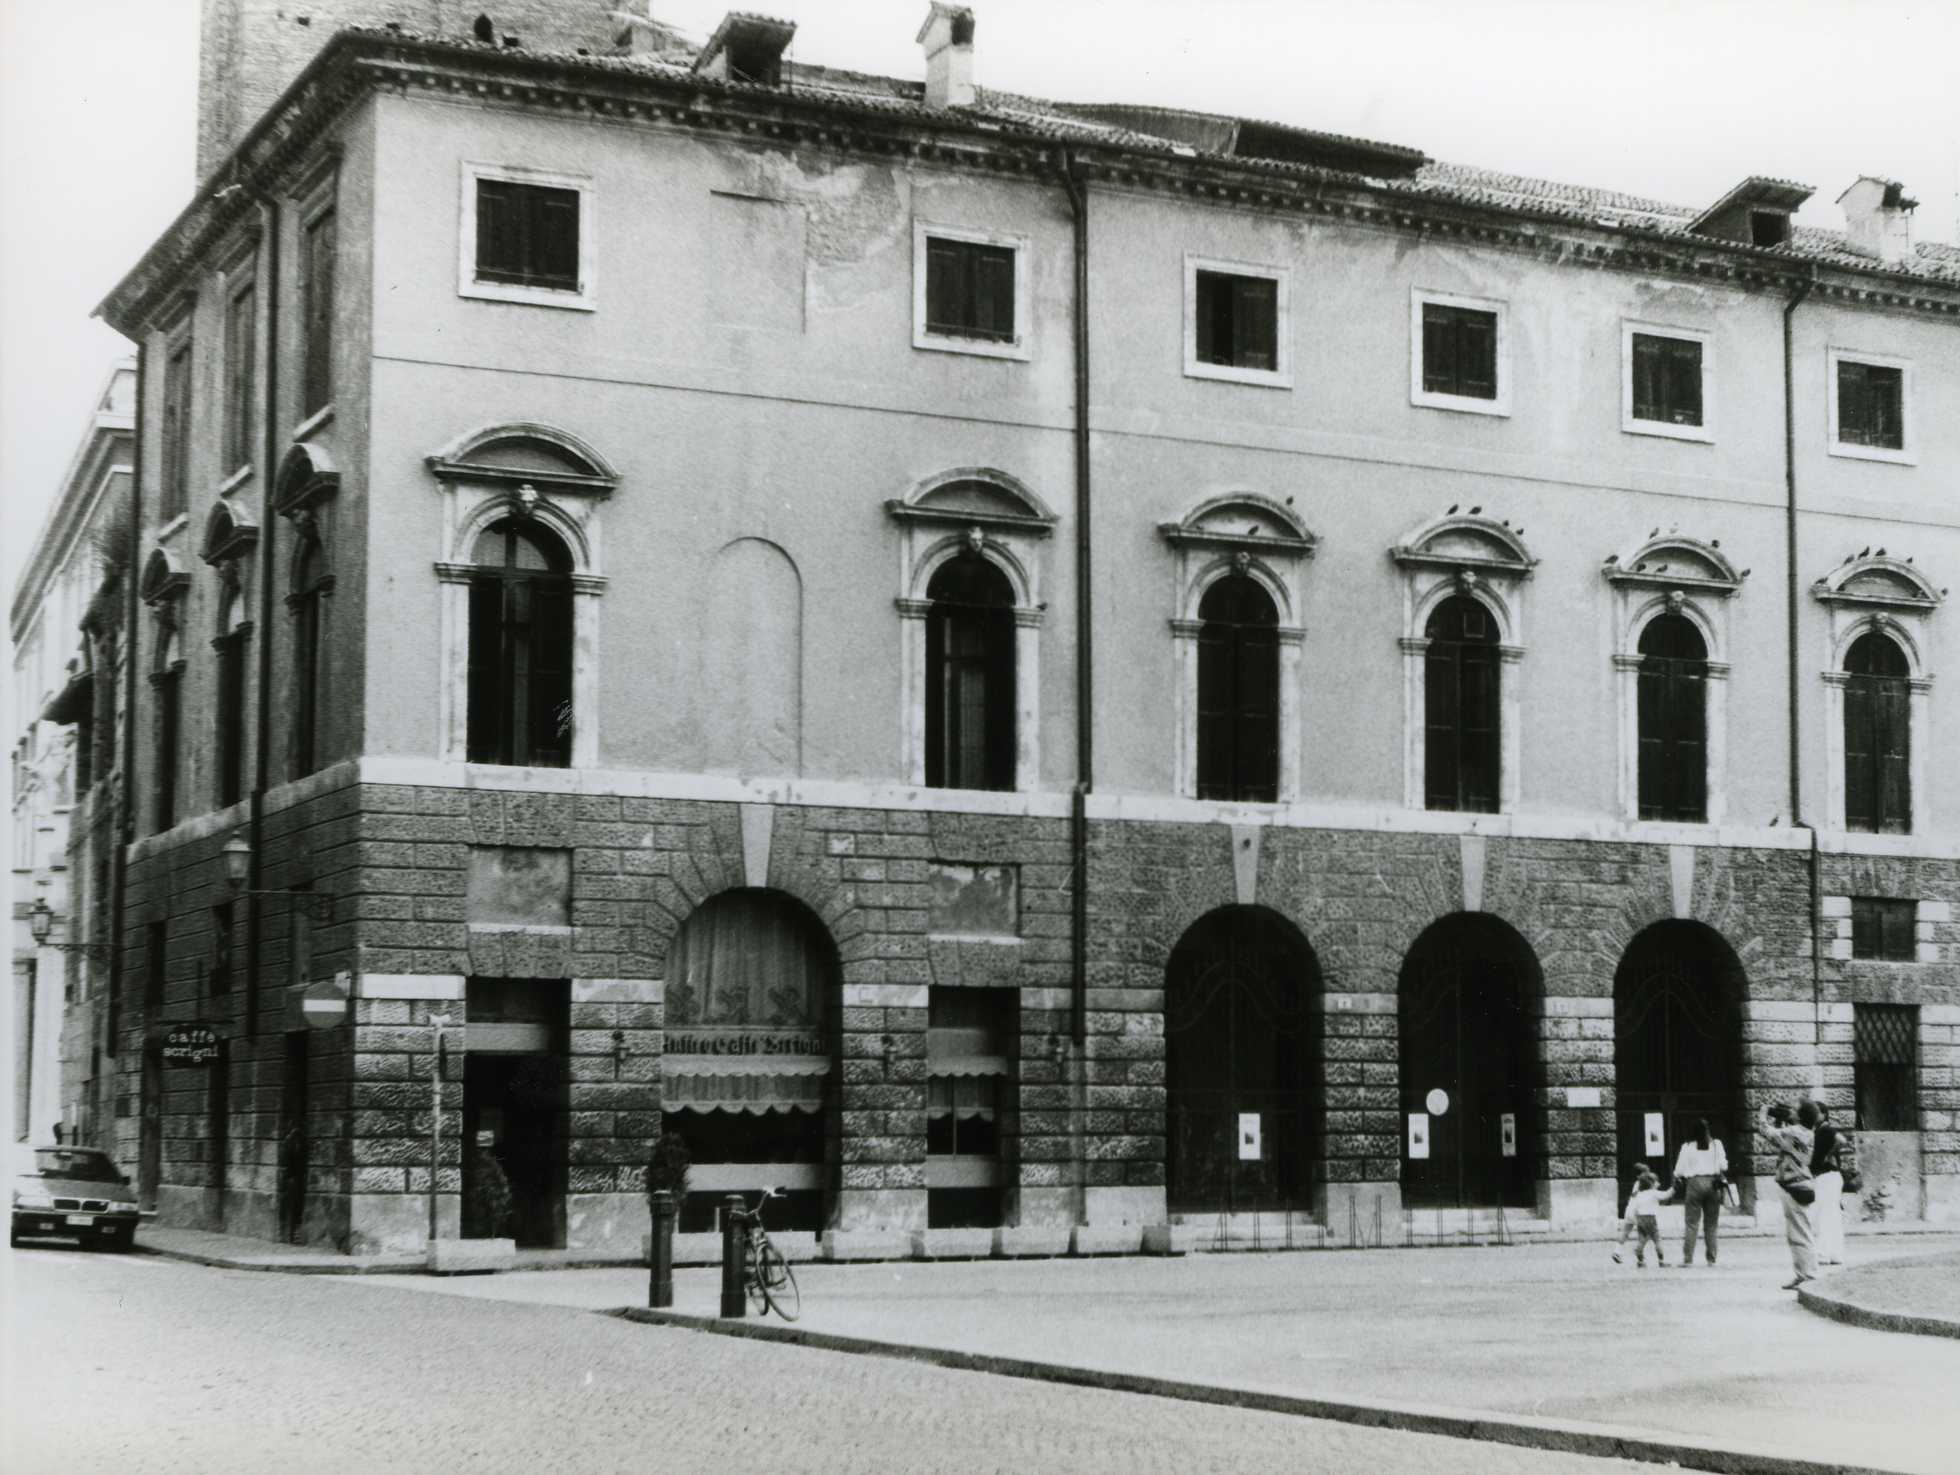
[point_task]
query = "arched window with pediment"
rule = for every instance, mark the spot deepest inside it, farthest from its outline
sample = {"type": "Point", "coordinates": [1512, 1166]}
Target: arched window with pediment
{"type": "Point", "coordinates": [970, 676]}
{"type": "Point", "coordinates": [520, 696]}
{"type": "Point", "coordinates": [1877, 736]}
{"type": "Point", "coordinates": [1463, 725]}
{"type": "Point", "coordinates": [1673, 721]}
{"type": "Point", "coordinates": [1238, 692]}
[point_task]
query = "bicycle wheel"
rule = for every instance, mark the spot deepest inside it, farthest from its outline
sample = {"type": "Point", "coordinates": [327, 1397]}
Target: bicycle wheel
{"type": "Point", "coordinates": [779, 1284]}
{"type": "Point", "coordinates": [752, 1278]}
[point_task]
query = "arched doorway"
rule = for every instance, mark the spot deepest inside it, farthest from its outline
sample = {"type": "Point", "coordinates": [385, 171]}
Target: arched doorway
{"type": "Point", "coordinates": [752, 996]}
{"type": "Point", "coordinates": [1677, 1045]}
{"type": "Point", "coordinates": [1242, 1031]}
{"type": "Point", "coordinates": [1468, 995]}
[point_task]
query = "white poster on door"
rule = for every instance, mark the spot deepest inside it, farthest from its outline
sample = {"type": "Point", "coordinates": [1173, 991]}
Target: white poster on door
{"type": "Point", "coordinates": [1418, 1135]}
{"type": "Point", "coordinates": [1507, 1134]}
{"type": "Point", "coordinates": [1656, 1136]}
{"type": "Point", "coordinates": [1248, 1136]}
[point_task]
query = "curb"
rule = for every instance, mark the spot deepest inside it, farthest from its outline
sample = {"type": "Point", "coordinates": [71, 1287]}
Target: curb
{"type": "Point", "coordinates": [1837, 1308]}
{"type": "Point", "coordinates": [1605, 1441]}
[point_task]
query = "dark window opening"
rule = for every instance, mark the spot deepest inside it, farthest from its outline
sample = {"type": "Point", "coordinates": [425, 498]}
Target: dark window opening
{"type": "Point", "coordinates": [527, 234]}
{"type": "Point", "coordinates": [970, 677]}
{"type": "Point", "coordinates": [970, 290]}
{"type": "Point", "coordinates": [231, 715]}
{"type": "Point", "coordinates": [1238, 320]}
{"type": "Point", "coordinates": [1673, 721]}
{"type": "Point", "coordinates": [1238, 692]}
{"type": "Point", "coordinates": [1877, 737]}
{"type": "Point", "coordinates": [1667, 379]}
{"type": "Point", "coordinates": [520, 678]}
{"type": "Point", "coordinates": [1885, 928]}
{"type": "Point", "coordinates": [221, 917]}
{"type": "Point", "coordinates": [241, 337]}
{"type": "Point", "coordinates": [316, 314]}
{"type": "Point", "coordinates": [1459, 351]}
{"type": "Point", "coordinates": [1871, 406]}
{"type": "Point", "coordinates": [176, 434]}
{"type": "Point", "coordinates": [156, 957]}
{"type": "Point", "coordinates": [311, 583]}
{"type": "Point", "coordinates": [1460, 689]}
{"type": "Point", "coordinates": [168, 685]}
{"type": "Point", "coordinates": [1768, 227]}
{"type": "Point", "coordinates": [1885, 1066]}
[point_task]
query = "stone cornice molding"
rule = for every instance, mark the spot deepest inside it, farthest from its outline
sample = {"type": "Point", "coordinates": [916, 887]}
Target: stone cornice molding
{"type": "Point", "coordinates": [1878, 582]}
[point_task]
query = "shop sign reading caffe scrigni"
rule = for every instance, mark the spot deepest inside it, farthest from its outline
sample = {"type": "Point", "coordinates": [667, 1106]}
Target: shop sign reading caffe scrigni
{"type": "Point", "coordinates": [761, 1042]}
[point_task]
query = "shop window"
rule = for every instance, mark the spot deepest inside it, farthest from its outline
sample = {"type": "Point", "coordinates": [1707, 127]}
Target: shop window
{"type": "Point", "coordinates": [1673, 721]}
{"type": "Point", "coordinates": [1885, 1066]}
{"type": "Point", "coordinates": [520, 679]}
{"type": "Point", "coordinates": [1877, 737]}
{"type": "Point", "coordinates": [1884, 928]}
{"type": "Point", "coordinates": [972, 1035]}
{"type": "Point", "coordinates": [1460, 689]}
{"type": "Point", "coordinates": [1238, 692]}
{"type": "Point", "coordinates": [970, 685]}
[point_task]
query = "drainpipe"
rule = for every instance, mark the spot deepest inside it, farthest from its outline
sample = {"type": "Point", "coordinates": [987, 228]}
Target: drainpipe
{"type": "Point", "coordinates": [1085, 727]}
{"type": "Point", "coordinates": [1791, 596]}
{"type": "Point", "coordinates": [268, 520]}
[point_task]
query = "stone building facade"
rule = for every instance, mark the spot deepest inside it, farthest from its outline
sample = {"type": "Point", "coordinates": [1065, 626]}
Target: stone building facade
{"type": "Point", "coordinates": [657, 602]}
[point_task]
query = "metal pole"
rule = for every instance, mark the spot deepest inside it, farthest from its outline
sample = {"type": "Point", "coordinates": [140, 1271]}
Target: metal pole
{"type": "Point", "coordinates": [733, 1297]}
{"type": "Point", "coordinates": [435, 1119]}
{"type": "Point", "coordinates": [660, 1270]}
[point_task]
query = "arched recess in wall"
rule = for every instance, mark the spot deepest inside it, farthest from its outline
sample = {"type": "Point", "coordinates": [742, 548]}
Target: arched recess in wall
{"type": "Point", "coordinates": [751, 647]}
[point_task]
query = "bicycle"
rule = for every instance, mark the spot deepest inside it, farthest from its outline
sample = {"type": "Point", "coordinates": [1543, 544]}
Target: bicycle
{"type": "Point", "coordinates": [766, 1276]}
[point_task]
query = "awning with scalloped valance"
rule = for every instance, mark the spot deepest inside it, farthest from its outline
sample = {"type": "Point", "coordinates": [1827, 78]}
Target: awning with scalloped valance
{"type": "Point", "coordinates": [750, 1083]}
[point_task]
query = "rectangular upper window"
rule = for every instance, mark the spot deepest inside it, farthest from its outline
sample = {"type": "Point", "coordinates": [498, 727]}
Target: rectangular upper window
{"type": "Point", "coordinates": [969, 292]}
{"type": "Point", "coordinates": [526, 236]}
{"type": "Point", "coordinates": [317, 248]}
{"type": "Point", "coordinates": [1235, 322]}
{"type": "Point", "coordinates": [1666, 378]}
{"type": "Point", "coordinates": [175, 490]}
{"type": "Point", "coordinates": [1885, 928]}
{"type": "Point", "coordinates": [1459, 347]}
{"type": "Point", "coordinates": [1871, 406]}
{"type": "Point", "coordinates": [241, 380]}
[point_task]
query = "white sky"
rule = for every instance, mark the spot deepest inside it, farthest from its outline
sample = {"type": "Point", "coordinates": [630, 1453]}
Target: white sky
{"type": "Point", "coordinates": [1677, 99]}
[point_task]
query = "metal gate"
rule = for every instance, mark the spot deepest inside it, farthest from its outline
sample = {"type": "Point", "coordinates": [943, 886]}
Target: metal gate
{"type": "Point", "coordinates": [1241, 1044]}
{"type": "Point", "coordinates": [1468, 1049]}
{"type": "Point", "coordinates": [1677, 1049]}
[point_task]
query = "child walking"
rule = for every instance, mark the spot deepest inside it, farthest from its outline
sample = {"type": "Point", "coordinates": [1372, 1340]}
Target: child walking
{"type": "Point", "coordinates": [1643, 1214]}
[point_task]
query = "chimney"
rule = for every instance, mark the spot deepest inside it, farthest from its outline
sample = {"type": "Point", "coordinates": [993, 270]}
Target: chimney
{"type": "Point", "coordinates": [947, 37]}
{"type": "Point", "coordinates": [1878, 219]}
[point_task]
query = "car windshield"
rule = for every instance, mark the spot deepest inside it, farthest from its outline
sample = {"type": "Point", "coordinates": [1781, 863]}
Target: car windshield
{"type": "Point", "coordinates": [82, 1164]}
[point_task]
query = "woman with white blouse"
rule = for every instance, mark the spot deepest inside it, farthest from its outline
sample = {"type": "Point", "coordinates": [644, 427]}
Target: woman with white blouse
{"type": "Point", "coordinates": [1699, 1173]}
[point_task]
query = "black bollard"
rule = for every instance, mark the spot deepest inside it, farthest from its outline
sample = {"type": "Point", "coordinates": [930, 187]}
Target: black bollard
{"type": "Point", "coordinates": [660, 1270]}
{"type": "Point", "coordinates": [734, 1299]}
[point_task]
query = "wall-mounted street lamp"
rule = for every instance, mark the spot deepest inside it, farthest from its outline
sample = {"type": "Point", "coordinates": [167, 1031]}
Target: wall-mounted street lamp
{"type": "Point", "coordinates": [40, 922]}
{"type": "Point", "coordinates": [237, 853]}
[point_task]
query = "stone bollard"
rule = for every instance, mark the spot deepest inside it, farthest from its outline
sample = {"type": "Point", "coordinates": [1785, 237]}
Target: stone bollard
{"type": "Point", "coordinates": [734, 1298]}
{"type": "Point", "coordinates": [660, 1269]}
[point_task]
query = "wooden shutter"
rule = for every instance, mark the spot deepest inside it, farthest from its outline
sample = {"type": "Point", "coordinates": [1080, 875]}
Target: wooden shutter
{"type": "Point", "coordinates": [495, 228]}
{"type": "Point", "coordinates": [317, 314]}
{"type": "Point", "coordinates": [1892, 748]}
{"type": "Point", "coordinates": [944, 298]}
{"type": "Point", "coordinates": [1477, 693]}
{"type": "Point", "coordinates": [1687, 735]}
{"type": "Point", "coordinates": [999, 698]}
{"type": "Point", "coordinates": [166, 753]}
{"type": "Point", "coordinates": [1256, 316]}
{"type": "Point", "coordinates": [1257, 715]}
{"type": "Point", "coordinates": [994, 292]}
{"type": "Point", "coordinates": [1647, 394]}
{"type": "Point", "coordinates": [1477, 354]}
{"type": "Point", "coordinates": [550, 674]}
{"type": "Point", "coordinates": [1653, 738]}
{"type": "Point", "coordinates": [231, 717]}
{"type": "Point", "coordinates": [1684, 382]}
{"type": "Point", "coordinates": [1860, 758]}
{"type": "Point", "coordinates": [1439, 371]}
{"type": "Point", "coordinates": [240, 322]}
{"type": "Point", "coordinates": [1215, 747]}
{"type": "Point", "coordinates": [1441, 766]}
{"type": "Point", "coordinates": [555, 238]}
{"type": "Point", "coordinates": [485, 739]}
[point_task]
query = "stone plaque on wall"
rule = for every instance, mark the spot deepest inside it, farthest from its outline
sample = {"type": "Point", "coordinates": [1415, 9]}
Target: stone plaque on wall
{"type": "Point", "coordinates": [975, 900]}
{"type": "Point", "coordinates": [520, 885]}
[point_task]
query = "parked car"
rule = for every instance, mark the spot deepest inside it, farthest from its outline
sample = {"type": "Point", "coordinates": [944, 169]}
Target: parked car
{"type": "Point", "coordinates": [74, 1193]}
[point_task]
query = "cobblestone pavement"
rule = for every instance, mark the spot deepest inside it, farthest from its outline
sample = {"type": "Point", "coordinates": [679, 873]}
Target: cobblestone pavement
{"type": "Point", "coordinates": [1552, 1330]}
{"type": "Point", "coordinates": [133, 1365]}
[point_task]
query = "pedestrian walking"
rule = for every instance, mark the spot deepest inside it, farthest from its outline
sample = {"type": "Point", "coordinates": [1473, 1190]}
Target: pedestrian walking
{"type": "Point", "coordinates": [1792, 1145]}
{"type": "Point", "coordinates": [1701, 1173]}
{"type": "Point", "coordinates": [1628, 1222]}
{"type": "Point", "coordinates": [1827, 1177]}
{"type": "Point", "coordinates": [1644, 1209]}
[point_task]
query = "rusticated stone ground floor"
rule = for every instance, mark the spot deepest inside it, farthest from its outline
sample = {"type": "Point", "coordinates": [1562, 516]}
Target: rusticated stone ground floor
{"type": "Point", "coordinates": [875, 1011]}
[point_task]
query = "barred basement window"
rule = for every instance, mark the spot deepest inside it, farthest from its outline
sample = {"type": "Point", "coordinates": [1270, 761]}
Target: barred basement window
{"type": "Point", "coordinates": [1237, 320]}
{"type": "Point", "coordinates": [1461, 707]}
{"type": "Point", "coordinates": [1870, 405]}
{"type": "Point", "coordinates": [1667, 379]}
{"type": "Point", "coordinates": [527, 235]}
{"type": "Point", "coordinates": [1238, 692]}
{"type": "Point", "coordinates": [1673, 719]}
{"type": "Point", "coordinates": [1459, 351]}
{"type": "Point", "coordinates": [1885, 1066]}
{"type": "Point", "coordinates": [970, 695]}
{"type": "Point", "coordinates": [520, 679]}
{"type": "Point", "coordinates": [969, 290]}
{"type": "Point", "coordinates": [1877, 737]}
{"type": "Point", "coordinates": [1885, 928]}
